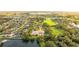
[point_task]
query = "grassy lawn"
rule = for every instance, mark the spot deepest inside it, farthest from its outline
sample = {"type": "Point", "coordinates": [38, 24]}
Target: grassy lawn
{"type": "Point", "coordinates": [56, 32]}
{"type": "Point", "coordinates": [50, 22]}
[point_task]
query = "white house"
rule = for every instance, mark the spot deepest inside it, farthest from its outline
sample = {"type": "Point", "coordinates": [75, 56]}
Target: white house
{"type": "Point", "coordinates": [39, 32]}
{"type": "Point", "coordinates": [74, 25]}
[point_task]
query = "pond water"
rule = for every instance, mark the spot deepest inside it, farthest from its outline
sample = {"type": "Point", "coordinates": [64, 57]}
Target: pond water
{"type": "Point", "coordinates": [20, 43]}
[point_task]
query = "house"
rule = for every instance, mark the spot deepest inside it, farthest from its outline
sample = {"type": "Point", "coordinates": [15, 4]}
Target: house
{"type": "Point", "coordinates": [74, 25]}
{"type": "Point", "coordinates": [39, 32]}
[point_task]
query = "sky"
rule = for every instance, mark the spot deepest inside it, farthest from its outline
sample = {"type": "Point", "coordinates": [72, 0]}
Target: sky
{"type": "Point", "coordinates": [39, 5]}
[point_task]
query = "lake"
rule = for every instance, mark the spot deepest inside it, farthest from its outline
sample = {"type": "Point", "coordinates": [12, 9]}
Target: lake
{"type": "Point", "coordinates": [20, 43]}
